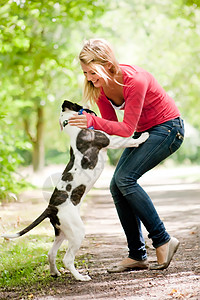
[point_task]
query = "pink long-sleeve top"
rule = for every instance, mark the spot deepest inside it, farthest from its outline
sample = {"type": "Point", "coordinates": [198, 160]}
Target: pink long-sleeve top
{"type": "Point", "coordinates": [146, 104]}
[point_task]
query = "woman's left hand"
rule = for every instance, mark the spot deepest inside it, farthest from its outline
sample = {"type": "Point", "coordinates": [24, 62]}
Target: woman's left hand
{"type": "Point", "coordinates": [78, 120]}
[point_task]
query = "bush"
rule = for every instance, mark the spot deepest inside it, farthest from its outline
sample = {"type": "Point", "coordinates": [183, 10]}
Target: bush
{"type": "Point", "coordinates": [10, 141]}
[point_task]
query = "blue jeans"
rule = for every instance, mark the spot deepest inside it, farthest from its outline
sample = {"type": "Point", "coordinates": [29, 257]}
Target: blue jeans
{"type": "Point", "coordinates": [132, 202]}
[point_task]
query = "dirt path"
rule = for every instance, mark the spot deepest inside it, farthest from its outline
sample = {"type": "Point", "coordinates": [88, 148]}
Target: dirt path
{"type": "Point", "coordinates": [177, 201]}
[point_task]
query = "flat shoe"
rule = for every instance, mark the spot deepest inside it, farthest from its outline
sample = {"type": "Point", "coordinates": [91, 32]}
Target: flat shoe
{"type": "Point", "coordinates": [172, 248]}
{"type": "Point", "coordinates": [138, 265]}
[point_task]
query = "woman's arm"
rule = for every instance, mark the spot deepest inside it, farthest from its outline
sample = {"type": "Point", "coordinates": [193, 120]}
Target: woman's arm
{"type": "Point", "coordinates": [134, 94]}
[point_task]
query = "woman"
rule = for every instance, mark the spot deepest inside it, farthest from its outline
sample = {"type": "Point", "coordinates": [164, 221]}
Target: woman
{"type": "Point", "coordinates": [147, 107]}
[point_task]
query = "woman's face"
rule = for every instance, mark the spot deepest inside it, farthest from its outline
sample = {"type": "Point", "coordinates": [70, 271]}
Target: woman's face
{"type": "Point", "coordinates": [90, 75]}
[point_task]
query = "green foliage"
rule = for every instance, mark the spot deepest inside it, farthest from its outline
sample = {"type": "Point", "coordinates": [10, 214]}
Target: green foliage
{"type": "Point", "coordinates": [38, 42]}
{"type": "Point", "coordinates": [10, 141]}
{"type": "Point", "coordinates": [114, 155]}
{"type": "Point", "coordinates": [24, 262]}
{"type": "Point", "coordinates": [194, 3]}
{"type": "Point", "coordinates": [53, 156]}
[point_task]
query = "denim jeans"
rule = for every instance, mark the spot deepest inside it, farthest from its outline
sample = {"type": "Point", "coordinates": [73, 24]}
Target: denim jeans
{"type": "Point", "coordinates": [132, 202]}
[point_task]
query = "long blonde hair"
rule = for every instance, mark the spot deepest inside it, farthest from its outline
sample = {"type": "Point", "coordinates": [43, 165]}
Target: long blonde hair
{"type": "Point", "coordinates": [97, 53]}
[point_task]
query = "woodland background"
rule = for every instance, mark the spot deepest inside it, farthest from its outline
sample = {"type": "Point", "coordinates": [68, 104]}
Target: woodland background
{"type": "Point", "coordinates": [39, 68]}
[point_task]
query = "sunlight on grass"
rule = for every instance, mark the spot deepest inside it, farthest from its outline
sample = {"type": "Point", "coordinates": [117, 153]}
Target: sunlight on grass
{"type": "Point", "coordinates": [25, 261]}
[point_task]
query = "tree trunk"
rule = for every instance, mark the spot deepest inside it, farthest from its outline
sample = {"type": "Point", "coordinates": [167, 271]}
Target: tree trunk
{"type": "Point", "coordinates": [38, 145]}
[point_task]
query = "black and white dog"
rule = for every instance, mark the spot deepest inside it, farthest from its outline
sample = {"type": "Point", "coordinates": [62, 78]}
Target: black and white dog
{"type": "Point", "coordinates": [87, 157]}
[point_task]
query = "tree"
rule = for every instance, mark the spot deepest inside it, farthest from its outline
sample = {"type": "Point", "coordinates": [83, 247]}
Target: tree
{"type": "Point", "coordinates": [37, 45]}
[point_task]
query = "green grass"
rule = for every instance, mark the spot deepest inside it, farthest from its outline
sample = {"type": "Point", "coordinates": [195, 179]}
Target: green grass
{"type": "Point", "coordinates": [24, 262]}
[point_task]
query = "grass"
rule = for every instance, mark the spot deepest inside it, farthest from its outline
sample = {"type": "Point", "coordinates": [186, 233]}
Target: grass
{"type": "Point", "coordinates": [24, 262]}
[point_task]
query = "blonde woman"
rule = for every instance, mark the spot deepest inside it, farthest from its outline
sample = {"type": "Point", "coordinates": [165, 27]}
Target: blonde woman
{"type": "Point", "coordinates": [147, 107]}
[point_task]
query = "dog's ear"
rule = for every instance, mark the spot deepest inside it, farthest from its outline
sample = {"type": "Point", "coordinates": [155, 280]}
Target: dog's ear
{"type": "Point", "coordinates": [77, 107]}
{"type": "Point", "coordinates": [71, 106]}
{"type": "Point", "coordinates": [65, 104]}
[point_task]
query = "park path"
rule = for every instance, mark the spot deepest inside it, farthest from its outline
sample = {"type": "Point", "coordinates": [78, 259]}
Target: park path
{"type": "Point", "coordinates": [176, 195]}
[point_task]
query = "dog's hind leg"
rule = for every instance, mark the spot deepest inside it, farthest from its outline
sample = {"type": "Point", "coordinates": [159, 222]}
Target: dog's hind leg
{"type": "Point", "coordinates": [53, 252]}
{"type": "Point", "coordinates": [74, 243]}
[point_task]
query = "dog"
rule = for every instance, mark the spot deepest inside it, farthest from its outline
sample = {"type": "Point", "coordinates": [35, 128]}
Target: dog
{"type": "Point", "coordinates": [87, 158]}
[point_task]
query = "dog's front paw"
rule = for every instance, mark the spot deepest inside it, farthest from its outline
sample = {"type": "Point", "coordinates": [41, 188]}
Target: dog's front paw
{"type": "Point", "coordinates": [144, 136]}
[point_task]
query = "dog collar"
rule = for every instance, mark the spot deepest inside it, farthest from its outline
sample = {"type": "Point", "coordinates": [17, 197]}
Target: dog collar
{"type": "Point", "coordinates": [80, 112]}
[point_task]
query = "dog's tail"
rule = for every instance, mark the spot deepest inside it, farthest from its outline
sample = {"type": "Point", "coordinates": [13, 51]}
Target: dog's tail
{"type": "Point", "coordinates": [50, 212]}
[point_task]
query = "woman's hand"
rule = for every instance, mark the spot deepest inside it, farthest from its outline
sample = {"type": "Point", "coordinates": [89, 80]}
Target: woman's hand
{"type": "Point", "coordinates": [78, 120]}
